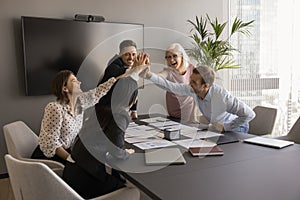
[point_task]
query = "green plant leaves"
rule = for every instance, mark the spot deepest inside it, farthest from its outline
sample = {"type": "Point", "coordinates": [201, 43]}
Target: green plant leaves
{"type": "Point", "coordinates": [208, 48]}
{"type": "Point", "coordinates": [239, 26]}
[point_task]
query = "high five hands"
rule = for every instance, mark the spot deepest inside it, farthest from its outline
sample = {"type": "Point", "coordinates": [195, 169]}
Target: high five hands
{"type": "Point", "coordinates": [141, 64]}
{"type": "Point", "coordinates": [141, 59]}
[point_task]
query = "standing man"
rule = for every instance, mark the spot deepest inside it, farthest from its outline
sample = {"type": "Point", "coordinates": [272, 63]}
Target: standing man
{"type": "Point", "coordinates": [219, 108]}
{"type": "Point", "coordinates": [119, 65]}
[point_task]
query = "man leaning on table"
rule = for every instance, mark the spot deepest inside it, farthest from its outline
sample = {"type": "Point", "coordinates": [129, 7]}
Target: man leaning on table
{"type": "Point", "coordinates": [220, 109]}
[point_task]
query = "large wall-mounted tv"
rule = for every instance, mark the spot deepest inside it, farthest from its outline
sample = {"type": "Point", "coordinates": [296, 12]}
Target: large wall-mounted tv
{"type": "Point", "coordinates": [51, 45]}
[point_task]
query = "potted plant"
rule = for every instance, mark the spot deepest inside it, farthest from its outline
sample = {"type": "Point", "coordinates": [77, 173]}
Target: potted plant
{"type": "Point", "coordinates": [208, 47]}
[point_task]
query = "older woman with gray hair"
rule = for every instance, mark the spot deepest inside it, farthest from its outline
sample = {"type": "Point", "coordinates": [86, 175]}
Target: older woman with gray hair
{"type": "Point", "coordinates": [179, 70]}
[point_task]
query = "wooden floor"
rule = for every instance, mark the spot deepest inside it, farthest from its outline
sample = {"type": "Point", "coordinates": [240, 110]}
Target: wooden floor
{"type": "Point", "coordinates": [5, 190]}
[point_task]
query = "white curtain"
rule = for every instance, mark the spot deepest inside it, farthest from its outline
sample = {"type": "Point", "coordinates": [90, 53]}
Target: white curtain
{"type": "Point", "coordinates": [269, 73]}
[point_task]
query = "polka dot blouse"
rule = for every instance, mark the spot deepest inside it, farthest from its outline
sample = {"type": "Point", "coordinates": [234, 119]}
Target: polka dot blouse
{"type": "Point", "coordinates": [60, 126]}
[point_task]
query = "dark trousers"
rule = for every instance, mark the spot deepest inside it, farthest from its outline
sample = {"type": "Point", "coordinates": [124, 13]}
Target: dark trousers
{"type": "Point", "coordinates": [134, 106]}
{"type": "Point", "coordinates": [87, 185]}
{"type": "Point", "coordinates": [38, 154]}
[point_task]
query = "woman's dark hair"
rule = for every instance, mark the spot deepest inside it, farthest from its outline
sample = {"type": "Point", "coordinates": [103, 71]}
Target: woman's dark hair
{"type": "Point", "coordinates": [59, 81]}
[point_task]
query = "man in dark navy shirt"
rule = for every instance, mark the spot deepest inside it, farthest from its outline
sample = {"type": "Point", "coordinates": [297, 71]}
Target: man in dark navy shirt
{"type": "Point", "coordinates": [119, 64]}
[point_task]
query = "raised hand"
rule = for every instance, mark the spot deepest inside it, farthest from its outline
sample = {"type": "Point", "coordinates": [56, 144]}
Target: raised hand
{"type": "Point", "coordinates": [141, 64]}
{"type": "Point", "coordinates": [141, 59]}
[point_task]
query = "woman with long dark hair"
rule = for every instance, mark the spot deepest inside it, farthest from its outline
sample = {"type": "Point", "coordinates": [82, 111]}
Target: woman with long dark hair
{"type": "Point", "coordinates": [63, 118]}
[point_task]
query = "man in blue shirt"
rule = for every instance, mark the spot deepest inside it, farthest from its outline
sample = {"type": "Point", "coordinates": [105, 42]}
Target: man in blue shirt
{"type": "Point", "coordinates": [220, 109]}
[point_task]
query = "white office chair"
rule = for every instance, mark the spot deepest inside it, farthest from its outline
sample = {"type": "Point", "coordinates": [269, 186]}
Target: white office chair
{"type": "Point", "coordinates": [21, 141]}
{"type": "Point", "coordinates": [294, 133]}
{"type": "Point", "coordinates": [263, 122]}
{"type": "Point", "coordinates": [36, 181]}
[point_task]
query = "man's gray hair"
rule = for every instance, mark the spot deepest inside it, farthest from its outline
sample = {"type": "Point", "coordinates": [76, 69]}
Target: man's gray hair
{"type": "Point", "coordinates": [126, 43]}
{"type": "Point", "coordinates": [207, 73]}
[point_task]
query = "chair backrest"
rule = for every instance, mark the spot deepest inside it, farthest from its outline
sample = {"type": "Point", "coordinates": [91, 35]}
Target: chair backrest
{"type": "Point", "coordinates": [294, 133]}
{"type": "Point", "coordinates": [264, 121]}
{"type": "Point", "coordinates": [35, 181]}
{"type": "Point", "coordinates": [21, 141]}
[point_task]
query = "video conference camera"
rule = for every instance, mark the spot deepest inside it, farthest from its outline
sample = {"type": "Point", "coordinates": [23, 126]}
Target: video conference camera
{"type": "Point", "coordinates": [89, 18]}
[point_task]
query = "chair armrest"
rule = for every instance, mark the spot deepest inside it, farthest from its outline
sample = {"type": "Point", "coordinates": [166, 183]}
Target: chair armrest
{"type": "Point", "coordinates": [50, 163]}
{"type": "Point", "coordinates": [58, 171]}
{"type": "Point", "coordinates": [126, 193]}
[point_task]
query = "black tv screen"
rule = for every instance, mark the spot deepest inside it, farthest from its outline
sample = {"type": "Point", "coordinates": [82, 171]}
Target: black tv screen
{"type": "Point", "coordinates": [51, 45]}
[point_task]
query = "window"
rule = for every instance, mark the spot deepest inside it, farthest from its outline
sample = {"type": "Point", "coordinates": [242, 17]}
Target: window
{"type": "Point", "coordinates": [269, 58]}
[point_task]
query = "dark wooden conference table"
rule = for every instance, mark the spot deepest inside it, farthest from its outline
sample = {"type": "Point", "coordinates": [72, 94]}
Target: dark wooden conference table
{"type": "Point", "coordinates": [244, 172]}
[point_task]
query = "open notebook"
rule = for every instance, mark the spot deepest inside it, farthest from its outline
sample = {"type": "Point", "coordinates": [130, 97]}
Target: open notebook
{"type": "Point", "coordinates": [270, 142]}
{"type": "Point", "coordinates": [164, 156]}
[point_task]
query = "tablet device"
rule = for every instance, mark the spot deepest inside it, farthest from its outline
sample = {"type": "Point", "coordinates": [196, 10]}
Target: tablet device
{"type": "Point", "coordinates": [223, 139]}
{"type": "Point", "coordinates": [269, 142]}
{"type": "Point", "coordinates": [164, 156]}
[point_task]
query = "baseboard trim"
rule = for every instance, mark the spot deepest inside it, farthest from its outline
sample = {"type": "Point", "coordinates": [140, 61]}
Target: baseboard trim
{"type": "Point", "coordinates": [2, 176]}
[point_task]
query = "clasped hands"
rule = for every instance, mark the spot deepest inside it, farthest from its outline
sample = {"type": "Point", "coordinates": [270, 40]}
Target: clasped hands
{"type": "Point", "coordinates": [216, 125]}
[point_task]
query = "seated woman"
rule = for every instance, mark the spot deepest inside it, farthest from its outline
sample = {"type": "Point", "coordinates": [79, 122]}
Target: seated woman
{"type": "Point", "coordinates": [63, 118]}
{"type": "Point", "coordinates": [179, 70]}
{"type": "Point", "coordinates": [89, 175]}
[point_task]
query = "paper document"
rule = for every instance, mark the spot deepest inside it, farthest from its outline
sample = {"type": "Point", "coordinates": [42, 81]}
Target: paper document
{"type": "Point", "coordinates": [141, 139]}
{"type": "Point", "coordinates": [193, 132]}
{"type": "Point", "coordinates": [206, 134]}
{"type": "Point", "coordinates": [167, 124]}
{"type": "Point", "coordinates": [155, 119]}
{"type": "Point", "coordinates": [188, 143]}
{"type": "Point", "coordinates": [132, 124]}
{"type": "Point", "coordinates": [154, 144]}
{"type": "Point", "coordinates": [141, 131]}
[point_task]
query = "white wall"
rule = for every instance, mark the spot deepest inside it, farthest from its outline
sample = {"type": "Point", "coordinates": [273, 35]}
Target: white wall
{"type": "Point", "coordinates": [165, 22]}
